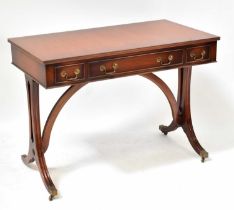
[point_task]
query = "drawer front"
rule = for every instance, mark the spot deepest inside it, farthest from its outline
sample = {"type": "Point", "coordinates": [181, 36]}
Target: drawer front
{"type": "Point", "coordinates": [135, 63]}
{"type": "Point", "coordinates": [198, 54]}
{"type": "Point", "coordinates": [69, 73]}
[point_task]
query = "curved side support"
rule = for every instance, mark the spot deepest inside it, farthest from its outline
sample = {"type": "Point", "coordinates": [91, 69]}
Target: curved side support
{"type": "Point", "coordinates": [165, 89]}
{"type": "Point", "coordinates": [55, 111]}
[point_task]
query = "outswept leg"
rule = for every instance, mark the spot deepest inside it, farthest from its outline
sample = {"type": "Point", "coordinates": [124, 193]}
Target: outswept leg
{"type": "Point", "coordinates": [36, 145]}
{"type": "Point", "coordinates": [181, 108]}
{"type": "Point", "coordinates": [183, 118]}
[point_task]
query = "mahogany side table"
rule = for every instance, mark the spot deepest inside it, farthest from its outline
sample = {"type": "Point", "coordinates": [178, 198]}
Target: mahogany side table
{"type": "Point", "coordinates": [76, 58]}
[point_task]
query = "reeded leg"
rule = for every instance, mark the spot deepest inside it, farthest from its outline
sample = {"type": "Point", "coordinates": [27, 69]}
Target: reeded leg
{"type": "Point", "coordinates": [30, 157]}
{"type": "Point", "coordinates": [183, 116]}
{"type": "Point", "coordinates": [36, 151]}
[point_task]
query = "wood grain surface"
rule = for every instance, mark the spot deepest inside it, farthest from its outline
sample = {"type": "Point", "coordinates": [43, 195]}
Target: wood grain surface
{"type": "Point", "coordinates": [88, 43]}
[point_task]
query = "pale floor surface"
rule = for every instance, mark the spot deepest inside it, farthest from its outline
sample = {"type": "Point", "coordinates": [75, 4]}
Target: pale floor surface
{"type": "Point", "coordinates": [132, 167]}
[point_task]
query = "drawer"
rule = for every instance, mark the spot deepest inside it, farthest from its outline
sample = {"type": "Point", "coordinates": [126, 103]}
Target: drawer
{"type": "Point", "coordinates": [198, 54]}
{"type": "Point", "coordinates": [69, 73]}
{"type": "Point", "coordinates": [135, 63]}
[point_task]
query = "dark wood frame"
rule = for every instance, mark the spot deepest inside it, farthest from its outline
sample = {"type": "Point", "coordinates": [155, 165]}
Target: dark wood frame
{"type": "Point", "coordinates": [38, 144]}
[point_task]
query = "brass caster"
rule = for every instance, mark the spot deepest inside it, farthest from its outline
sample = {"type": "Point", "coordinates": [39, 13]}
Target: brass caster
{"type": "Point", "coordinates": [51, 197]}
{"type": "Point", "coordinates": [203, 155]}
{"type": "Point", "coordinates": [161, 128]}
{"type": "Point", "coordinates": [53, 192]}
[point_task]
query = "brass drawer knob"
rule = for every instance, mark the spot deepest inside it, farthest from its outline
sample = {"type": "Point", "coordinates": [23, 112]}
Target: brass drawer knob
{"type": "Point", "coordinates": [76, 72]}
{"type": "Point", "coordinates": [201, 57]}
{"type": "Point", "coordinates": [170, 59]}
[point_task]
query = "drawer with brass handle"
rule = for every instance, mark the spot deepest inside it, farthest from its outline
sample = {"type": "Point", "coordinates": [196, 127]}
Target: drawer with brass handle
{"type": "Point", "coordinates": [198, 54]}
{"type": "Point", "coordinates": [69, 73]}
{"type": "Point", "coordinates": [126, 65]}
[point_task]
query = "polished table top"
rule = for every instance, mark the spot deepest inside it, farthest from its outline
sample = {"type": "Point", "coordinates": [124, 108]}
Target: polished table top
{"type": "Point", "coordinates": [111, 40]}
